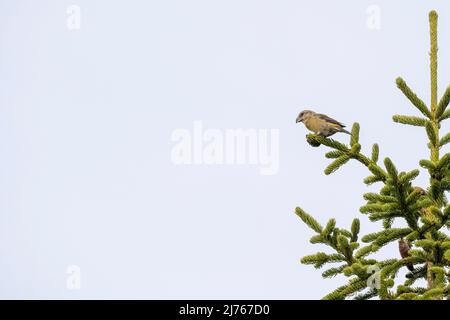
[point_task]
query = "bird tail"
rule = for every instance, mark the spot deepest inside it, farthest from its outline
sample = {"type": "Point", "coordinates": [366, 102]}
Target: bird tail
{"type": "Point", "coordinates": [345, 131]}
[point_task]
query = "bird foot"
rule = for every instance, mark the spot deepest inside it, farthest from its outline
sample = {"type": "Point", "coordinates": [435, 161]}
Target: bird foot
{"type": "Point", "coordinates": [312, 142]}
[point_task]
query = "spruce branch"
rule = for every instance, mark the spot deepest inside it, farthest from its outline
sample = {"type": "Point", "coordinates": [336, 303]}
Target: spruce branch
{"type": "Point", "coordinates": [444, 140]}
{"type": "Point", "coordinates": [445, 115]}
{"type": "Point", "coordinates": [351, 288]}
{"type": "Point", "coordinates": [375, 153]}
{"type": "Point", "coordinates": [310, 221]}
{"type": "Point", "coordinates": [367, 295]}
{"type": "Point", "coordinates": [433, 17]}
{"type": "Point", "coordinates": [411, 120]}
{"type": "Point", "coordinates": [433, 134]}
{"type": "Point", "coordinates": [336, 164]}
{"type": "Point", "coordinates": [443, 103]}
{"type": "Point", "coordinates": [343, 153]}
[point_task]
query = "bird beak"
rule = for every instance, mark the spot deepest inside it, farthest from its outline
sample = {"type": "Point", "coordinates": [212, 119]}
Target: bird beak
{"type": "Point", "coordinates": [298, 120]}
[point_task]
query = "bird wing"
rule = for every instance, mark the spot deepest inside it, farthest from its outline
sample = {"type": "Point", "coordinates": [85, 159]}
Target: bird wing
{"type": "Point", "coordinates": [330, 120]}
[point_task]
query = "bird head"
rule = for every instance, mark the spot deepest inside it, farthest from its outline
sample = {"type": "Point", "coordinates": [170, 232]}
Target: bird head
{"type": "Point", "coordinates": [305, 114]}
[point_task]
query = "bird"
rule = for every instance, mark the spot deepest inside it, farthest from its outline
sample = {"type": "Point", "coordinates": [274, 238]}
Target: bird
{"type": "Point", "coordinates": [403, 247]}
{"type": "Point", "coordinates": [320, 124]}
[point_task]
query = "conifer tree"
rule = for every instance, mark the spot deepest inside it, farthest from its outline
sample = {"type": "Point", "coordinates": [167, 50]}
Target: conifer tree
{"type": "Point", "coordinates": [418, 219]}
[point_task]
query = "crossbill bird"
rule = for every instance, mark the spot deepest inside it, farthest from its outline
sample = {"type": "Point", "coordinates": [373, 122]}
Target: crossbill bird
{"type": "Point", "coordinates": [403, 247]}
{"type": "Point", "coordinates": [320, 124]}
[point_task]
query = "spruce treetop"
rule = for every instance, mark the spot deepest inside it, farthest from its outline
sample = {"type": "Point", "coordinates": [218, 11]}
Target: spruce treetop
{"type": "Point", "coordinates": [423, 240]}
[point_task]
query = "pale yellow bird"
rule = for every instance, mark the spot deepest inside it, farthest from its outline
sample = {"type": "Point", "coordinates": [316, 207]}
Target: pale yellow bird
{"type": "Point", "coordinates": [320, 124]}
